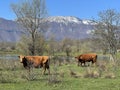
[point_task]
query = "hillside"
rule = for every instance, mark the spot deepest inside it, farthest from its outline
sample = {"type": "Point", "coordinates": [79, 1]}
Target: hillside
{"type": "Point", "coordinates": [59, 26]}
{"type": "Point", "coordinates": [10, 31]}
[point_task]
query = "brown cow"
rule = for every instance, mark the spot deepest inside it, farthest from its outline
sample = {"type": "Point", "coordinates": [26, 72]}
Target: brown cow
{"type": "Point", "coordinates": [35, 61]}
{"type": "Point", "coordinates": [89, 57]}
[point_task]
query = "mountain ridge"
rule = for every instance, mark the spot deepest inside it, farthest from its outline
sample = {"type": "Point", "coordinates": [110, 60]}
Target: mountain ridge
{"type": "Point", "coordinates": [59, 26]}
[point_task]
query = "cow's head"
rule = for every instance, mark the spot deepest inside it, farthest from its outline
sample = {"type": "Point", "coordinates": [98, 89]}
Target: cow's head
{"type": "Point", "coordinates": [21, 58]}
{"type": "Point", "coordinates": [76, 58]}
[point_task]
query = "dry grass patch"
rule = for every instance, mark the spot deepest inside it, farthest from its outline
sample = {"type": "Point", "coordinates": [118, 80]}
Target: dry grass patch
{"type": "Point", "coordinates": [110, 75]}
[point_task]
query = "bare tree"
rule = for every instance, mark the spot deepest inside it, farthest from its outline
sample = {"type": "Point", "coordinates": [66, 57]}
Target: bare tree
{"type": "Point", "coordinates": [30, 14]}
{"type": "Point", "coordinates": [66, 47]}
{"type": "Point", "coordinates": [107, 30]}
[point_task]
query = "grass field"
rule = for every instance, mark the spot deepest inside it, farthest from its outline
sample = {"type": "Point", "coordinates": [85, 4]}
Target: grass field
{"type": "Point", "coordinates": [67, 76]}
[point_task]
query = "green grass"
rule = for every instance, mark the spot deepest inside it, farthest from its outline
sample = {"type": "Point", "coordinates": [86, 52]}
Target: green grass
{"type": "Point", "coordinates": [67, 84]}
{"type": "Point", "coordinates": [14, 77]}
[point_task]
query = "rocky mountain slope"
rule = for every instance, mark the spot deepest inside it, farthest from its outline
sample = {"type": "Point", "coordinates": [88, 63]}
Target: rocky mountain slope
{"type": "Point", "coordinates": [59, 26]}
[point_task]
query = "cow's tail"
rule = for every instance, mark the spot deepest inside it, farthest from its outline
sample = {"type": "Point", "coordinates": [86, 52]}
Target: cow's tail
{"type": "Point", "coordinates": [48, 63]}
{"type": "Point", "coordinates": [96, 59]}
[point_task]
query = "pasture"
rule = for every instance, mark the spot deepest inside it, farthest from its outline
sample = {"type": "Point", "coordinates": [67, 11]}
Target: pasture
{"type": "Point", "coordinates": [64, 76]}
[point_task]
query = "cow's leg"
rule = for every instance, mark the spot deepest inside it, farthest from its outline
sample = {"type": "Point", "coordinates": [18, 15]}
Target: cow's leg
{"type": "Point", "coordinates": [44, 68]}
{"type": "Point", "coordinates": [48, 70]}
{"type": "Point", "coordinates": [44, 71]}
{"type": "Point", "coordinates": [47, 67]}
{"type": "Point", "coordinates": [88, 63]}
{"type": "Point", "coordinates": [84, 63]}
{"type": "Point", "coordinates": [93, 63]}
{"type": "Point", "coordinates": [78, 63]}
{"type": "Point", "coordinates": [81, 63]}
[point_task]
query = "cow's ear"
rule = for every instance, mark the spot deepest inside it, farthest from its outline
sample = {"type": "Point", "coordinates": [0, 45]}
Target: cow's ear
{"type": "Point", "coordinates": [24, 57]}
{"type": "Point", "coordinates": [75, 57]}
{"type": "Point", "coordinates": [20, 56]}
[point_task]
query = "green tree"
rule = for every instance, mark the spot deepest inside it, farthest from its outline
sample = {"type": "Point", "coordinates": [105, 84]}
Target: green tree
{"type": "Point", "coordinates": [67, 47]}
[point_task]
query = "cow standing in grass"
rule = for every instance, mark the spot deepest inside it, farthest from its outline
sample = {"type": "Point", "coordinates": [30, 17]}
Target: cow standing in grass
{"type": "Point", "coordinates": [35, 61]}
{"type": "Point", "coordinates": [89, 57]}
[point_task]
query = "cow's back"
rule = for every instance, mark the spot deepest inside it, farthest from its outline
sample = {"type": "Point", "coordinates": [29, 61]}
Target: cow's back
{"type": "Point", "coordinates": [37, 59]}
{"type": "Point", "coordinates": [88, 57]}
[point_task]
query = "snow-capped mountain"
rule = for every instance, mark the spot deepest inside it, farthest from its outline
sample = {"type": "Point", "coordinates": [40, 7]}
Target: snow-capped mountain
{"type": "Point", "coordinates": [88, 22]}
{"type": "Point", "coordinates": [64, 19]}
{"type": "Point", "coordinates": [58, 26]}
{"type": "Point", "coordinates": [69, 19]}
{"type": "Point", "coordinates": [68, 27]}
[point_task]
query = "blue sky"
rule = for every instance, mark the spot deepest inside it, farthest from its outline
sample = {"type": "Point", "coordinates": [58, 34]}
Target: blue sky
{"type": "Point", "coordinates": [84, 9]}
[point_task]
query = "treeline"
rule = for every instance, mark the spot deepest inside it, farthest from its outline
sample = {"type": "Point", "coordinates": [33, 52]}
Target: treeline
{"type": "Point", "coordinates": [7, 47]}
{"type": "Point", "coordinates": [67, 46]}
